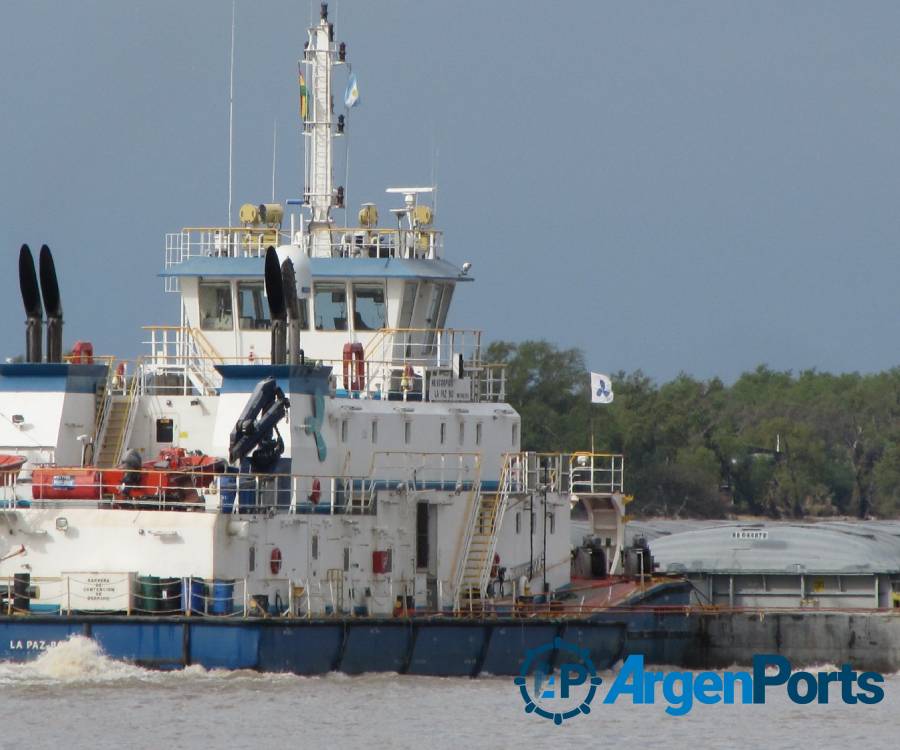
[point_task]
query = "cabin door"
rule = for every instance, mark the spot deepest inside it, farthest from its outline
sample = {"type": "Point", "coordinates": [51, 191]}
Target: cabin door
{"type": "Point", "coordinates": [426, 555]}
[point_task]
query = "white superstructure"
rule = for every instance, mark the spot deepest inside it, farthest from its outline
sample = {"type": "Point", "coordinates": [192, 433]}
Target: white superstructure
{"type": "Point", "coordinates": [401, 483]}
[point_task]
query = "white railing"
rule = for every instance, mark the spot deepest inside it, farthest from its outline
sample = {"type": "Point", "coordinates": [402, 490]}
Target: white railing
{"type": "Point", "coordinates": [433, 347]}
{"type": "Point", "coordinates": [425, 364]}
{"type": "Point", "coordinates": [183, 354]}
{"type": "Point", "coordinates": [424, 471]}
{"type": "Point", "coordinates": [227, 242]}
{"type": "Point", "coordinates": [131, 594]}
{"type": "Point", "coordinates": [199, 489]}
{"type": "Point", "coordinates": [596, 473]}
{"type": "Point", "coordinates": [363, 242]}
{"type": "Point", "coordinates": [399, 364]}
{"type": "Point", "coordinates": [581, 473]}
{"type": "Point", "coordinates": [344, 242]}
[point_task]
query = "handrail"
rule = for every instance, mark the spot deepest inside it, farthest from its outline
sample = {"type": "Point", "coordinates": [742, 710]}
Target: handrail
{"type": "Point", "coordinates": [130, 399]}
{"type": "Point", "coordinates": [452, 333]}
{"type": "Point", "coordinates": [103, 410]}
{"type": "Point", "coordinates": [217, 598]}
{"type": "Point", "coordinates": [190, 350]}
{"type": "Point", "coordinates": [205, 346]}
{"type": "Point", "coordinates": [582, 472]}
{"type": "Point", "coordinates": [251, 241]}
{"type": "Point", "coordinates": [463, 544]}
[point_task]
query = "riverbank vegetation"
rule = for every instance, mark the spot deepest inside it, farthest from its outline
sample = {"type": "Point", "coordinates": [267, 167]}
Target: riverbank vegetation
{"type": "Point", "coordinates": [778, 444]}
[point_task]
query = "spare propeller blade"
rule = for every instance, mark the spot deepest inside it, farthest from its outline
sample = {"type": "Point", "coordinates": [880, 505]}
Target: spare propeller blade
{"type": "Point", "coordinates": [289, 289]}
{"type": "Point", "coordinates": [50, 293]}
{"type": "Point", "coordinates": [277, 311]}
{"type": "Point", "coordinates": [49, 284]}
{"type": "Point", "coordinates": [31, 297]}
{"type": "Point", "coordinates": [28, 283]}
{"type": "Point", "coordinates": [274, 285]}
{"type": "Point", "coordinates": [292, 304]}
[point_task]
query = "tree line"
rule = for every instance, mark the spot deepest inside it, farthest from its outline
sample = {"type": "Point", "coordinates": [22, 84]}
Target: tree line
{"type": "Point", "coordinates": [773, 443]}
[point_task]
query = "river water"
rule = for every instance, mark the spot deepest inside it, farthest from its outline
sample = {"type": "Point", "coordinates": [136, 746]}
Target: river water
{"type": "Point", "coordinates": [73, 697]}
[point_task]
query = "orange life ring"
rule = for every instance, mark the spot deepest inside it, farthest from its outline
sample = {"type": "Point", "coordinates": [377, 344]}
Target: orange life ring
{"type": "Point", "coordinates": [315, 494]}
{"type": "Point", "coordinates": [275, 561]}
{"type": "Point", "coordinates": [354, 366]}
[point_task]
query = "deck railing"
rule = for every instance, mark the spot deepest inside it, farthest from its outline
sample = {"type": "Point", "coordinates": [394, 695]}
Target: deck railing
{"type": "Point", "coordinates": [207, 489]}
{"type": "Point", "coordinates": [580, 473]}
{"type": "Point", "coordinates": [344, 242]}
{"type": "Point", "coordinates": [399, 364]}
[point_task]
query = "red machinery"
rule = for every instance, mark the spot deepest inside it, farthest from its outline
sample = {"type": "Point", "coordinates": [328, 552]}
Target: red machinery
{"type": "Point", "coordinates": [82, 353]}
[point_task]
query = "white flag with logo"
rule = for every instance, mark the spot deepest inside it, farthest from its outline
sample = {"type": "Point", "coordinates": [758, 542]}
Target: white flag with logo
{"type": "Point", "coordinates": [601, 388]}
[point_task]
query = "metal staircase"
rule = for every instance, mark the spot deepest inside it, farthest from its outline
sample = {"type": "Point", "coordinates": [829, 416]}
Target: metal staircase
{"type": "Point", "coordinates": [114, 424]}
{"type": "Point", "coordinates": [480, 544]}
{"type": "Point", "coordinates": [116, 419]}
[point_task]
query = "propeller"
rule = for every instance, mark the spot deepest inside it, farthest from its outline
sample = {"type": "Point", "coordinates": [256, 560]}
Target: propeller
{"type": "Point", "coordinates": [34, 311]}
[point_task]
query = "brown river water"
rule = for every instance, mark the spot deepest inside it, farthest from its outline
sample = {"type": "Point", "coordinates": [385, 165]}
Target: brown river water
{"type": "Point", "coordinates": [74, 697]}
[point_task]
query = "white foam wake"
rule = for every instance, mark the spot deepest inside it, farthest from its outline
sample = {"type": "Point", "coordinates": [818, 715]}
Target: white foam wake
{"type": "Point", "coordinates": [82, 660]}
{"type": "Point", "coordinates": [77, 659]}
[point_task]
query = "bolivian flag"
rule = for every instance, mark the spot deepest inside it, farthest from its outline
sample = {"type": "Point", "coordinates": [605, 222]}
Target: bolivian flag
{"type": "Point", "coordinates": [304, 94]}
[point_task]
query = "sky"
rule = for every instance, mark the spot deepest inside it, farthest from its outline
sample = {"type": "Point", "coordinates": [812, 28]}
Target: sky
{"type": "Point", "coordinates": [693, 187]}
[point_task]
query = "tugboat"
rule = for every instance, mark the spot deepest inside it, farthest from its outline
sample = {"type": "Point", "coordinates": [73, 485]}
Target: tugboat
{"type": "Point", "coordinates": [310, 472]}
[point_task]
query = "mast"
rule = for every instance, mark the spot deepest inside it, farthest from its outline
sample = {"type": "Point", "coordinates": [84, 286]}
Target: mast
{"type": "Point", "coordinates": [319, 195]}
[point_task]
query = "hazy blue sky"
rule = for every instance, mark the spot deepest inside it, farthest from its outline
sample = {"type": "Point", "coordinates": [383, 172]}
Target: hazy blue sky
{"type": "Point", "coordinates": [697, 186]}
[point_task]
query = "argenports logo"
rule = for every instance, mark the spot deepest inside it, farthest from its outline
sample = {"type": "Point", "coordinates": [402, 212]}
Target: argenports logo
{"type": "Point", "coordinates": [553, 696]}
{"type": "Point", "coordinates": [570, 691]}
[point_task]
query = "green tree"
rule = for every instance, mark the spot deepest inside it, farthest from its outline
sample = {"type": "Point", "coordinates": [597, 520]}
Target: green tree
{"type": "Point", "coordinates": [773, 443]}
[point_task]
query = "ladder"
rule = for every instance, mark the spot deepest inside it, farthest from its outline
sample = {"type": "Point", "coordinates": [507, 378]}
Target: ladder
{"type": "Point", "coordinates": [117, 419]}
{"type": "Point", "coordinates": [481, 542]}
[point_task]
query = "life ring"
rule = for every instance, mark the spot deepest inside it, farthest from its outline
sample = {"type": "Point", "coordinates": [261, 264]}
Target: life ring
{"type": "Point", "coordinates": [315, 494]}
{"type": "Point", "coordinates": [275, 561]}
{"type": "Point", "coordinates": [354, 366]}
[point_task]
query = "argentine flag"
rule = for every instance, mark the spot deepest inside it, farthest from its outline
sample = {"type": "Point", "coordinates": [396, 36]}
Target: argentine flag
{"type": "Point", "coordinates": [601, 388]}
{"type": "Point", "coordinates": [351, 95]}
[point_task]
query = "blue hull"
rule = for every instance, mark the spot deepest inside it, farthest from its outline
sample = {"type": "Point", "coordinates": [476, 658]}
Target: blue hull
{"type": "Point", "coordinates": [657, 627]}
{"type": "Point", "coordinates": [450, 648]}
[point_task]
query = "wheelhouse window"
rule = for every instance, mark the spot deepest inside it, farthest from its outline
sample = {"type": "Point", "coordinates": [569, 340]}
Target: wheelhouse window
{"type": "Point", "coordinates": [445, 305]}
{"type": "Point", "coordinates": [407, 305]}
{"type": "Point", "coordinates": [330, 307]}
{"type": "Point", "coordinates": [368, 307]}
{"type": "Point", "coordinates": [215, 306]}
{"type": "Point", "coordinates": [253, 308]}
{"type": "Point", "coordinates": [434, 308]}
